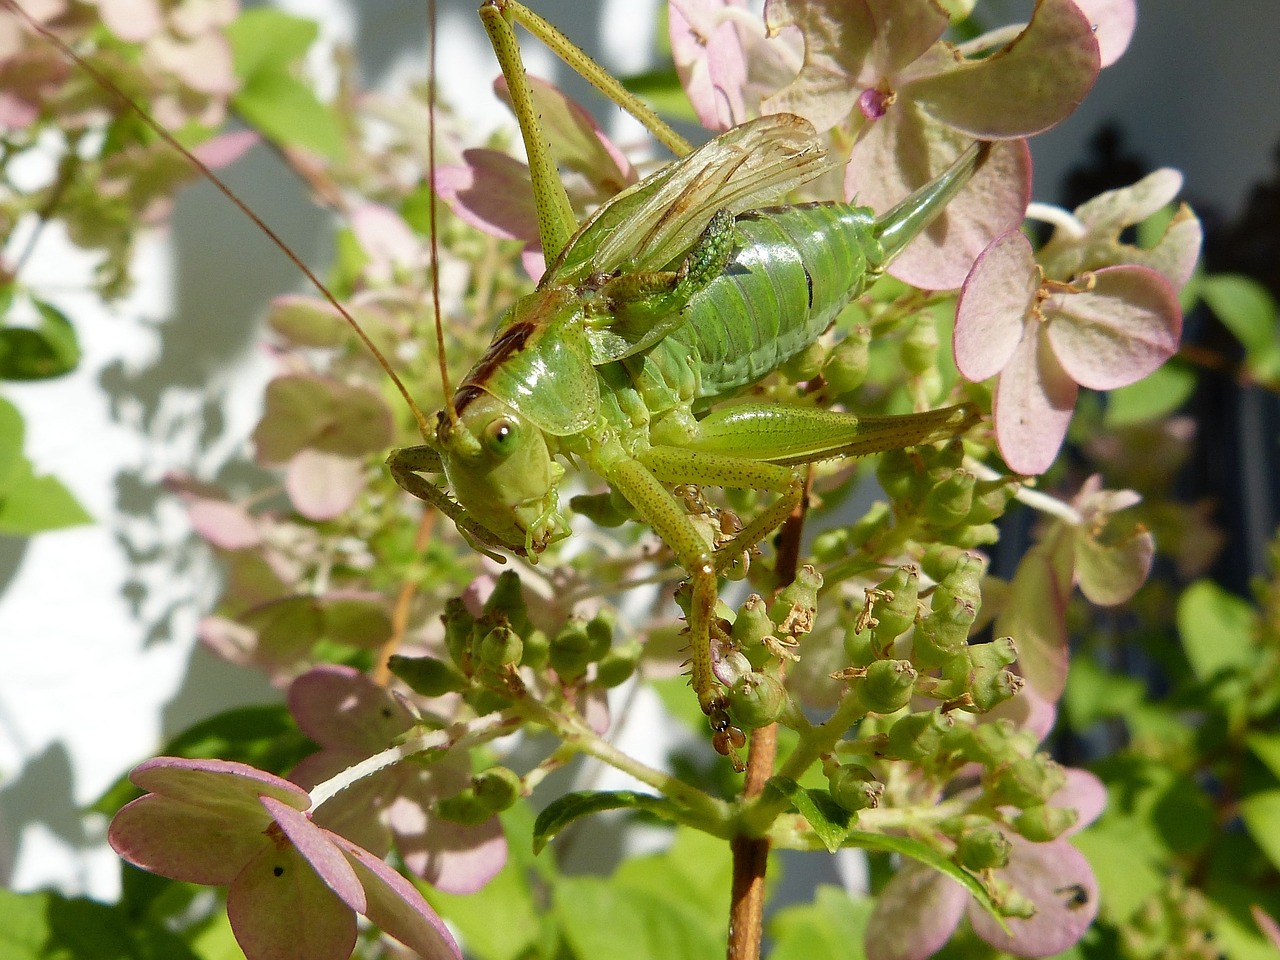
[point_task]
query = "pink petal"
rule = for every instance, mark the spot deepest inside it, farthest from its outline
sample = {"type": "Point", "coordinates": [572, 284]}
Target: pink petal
{"type": "Point", "coordinates": [1118, 332]}
{"type": "Point", "coordinates": [316, 846]}
{"type": "Point", "coordinates": [1113, 22]}
{"type": "Point", "coordinates": [223, 784]}
{"type": "Point", "coordinates": [1035, 615]}
{"type": "Point", "coordinates": [904, 150]}
{"type": "Point", "coordinates": [710, 60]}
{"type": "Point", "coordinates": [492, 192]}
{"type": "Point", "coordinates": [1028, 710]}
{"type": "Point", "coordinates": [838, 41]}
{"type": "Point", "coordinates": [185, 841]}
{"type": "Point", "coordinates": [1057, 878]}
{"type": "Point", "coordinates": [322, 486]}
{"type": "Point", "coordinates": [131, 20]}
{"type": "Point", "coordinates": [1033, 404]}
{"type": "Point", "coordinates": [280, 909]}
{"type": "Point", "coordinates": [386, 239]}
{"type": "Point", "coordinates": [398, 909]}
{"type": "Point", "coordinates": [358, 812]}
{"type": "Point", "coordinates": [1084, 793]}
{"type": "Point", "coordinates": [453, 857]}
{"type": "Point", "coordinates": [1113, 210]}
{"type": "Point", "coordinates": [228, 526]}
{"type": "Point", "coordinates": [915, 914]}
{"type": "Point", "coordinates": [994, 301]}
{"type": "Point", "coordinates": [1023, 89]}
{"type": "Point", "coordinates": [203, 63]}
{"type": "Point", "coordinates": [225, 149]}
{"type": "Point", "coordinates": [339, 706]}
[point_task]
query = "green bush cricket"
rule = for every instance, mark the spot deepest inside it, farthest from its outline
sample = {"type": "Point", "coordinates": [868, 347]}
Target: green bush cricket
{"type": "Point", "coordinates": [675, 294]}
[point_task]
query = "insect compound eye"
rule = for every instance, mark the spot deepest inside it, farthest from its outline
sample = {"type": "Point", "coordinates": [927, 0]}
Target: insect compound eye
{"type": "Point", "coordinates": [500, 436]}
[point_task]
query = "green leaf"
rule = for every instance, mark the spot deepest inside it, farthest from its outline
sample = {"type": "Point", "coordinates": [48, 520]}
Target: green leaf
{"type": "Point", "coordinates": [697, 869]}
{"type": "Point", "coordinates": [830, 928]}
{"type": "Point", "coordinates": [268, 40]}
{"type": "Point", "coordinates": [1216, 629]}
{"type": "Point", "coordinates": [11, 434]}
{"type": "Point", "coordinates": [572, 806]}
{"type": "Point", "coordinates": [41, 352]}
{"type": "Point", "coordinates": [661, 90]}
{"type": "Point", "coordinates": [1244, 307]}
{"type": "Point", "coordinates": [1093, 694]}
{"type": "Point", "coordinates": [47, 926]}
{"type": "Point", "coordinates": [1266, 747]}
{"type": "Point", "coordinates": [265, 45]}
{"type": "Point", "coordinates": [509, 895]}
{"type": "Point", "coordinates": [600, 921]}
{"type": "Point", "coordinates": [1156, 395]}
{"type": "Point", "coordinates": [34, 504]}
{"type": "Point", "coordinates": [829, 820]}
{"type": "Point", "coordinates": [927, 855]}
{"type": "Point", "coordinates": [1261, 814]}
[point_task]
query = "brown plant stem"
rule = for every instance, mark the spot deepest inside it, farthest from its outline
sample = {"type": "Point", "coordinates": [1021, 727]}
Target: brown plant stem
{"type": "Point", "coordinates": [751, 854]}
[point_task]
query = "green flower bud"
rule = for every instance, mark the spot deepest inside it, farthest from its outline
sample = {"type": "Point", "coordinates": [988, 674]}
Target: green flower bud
{"type": "Point", "coordinates": [900, 477]}
{"type": "Point", "coordinates": [877, 518]}
{"type": "Point", "coordinates": [805, 365]}
{"type": "Point", "coordinates": [507, 600]}
{"type": "Point", "coordinates": [750, 628]}
{"type": "Point", "coordinates": [1027, 782]}
{"type": "Point", "coordinates": [919, 352]}
{"type": "Point", "coordinates": [963, 583]}
{"type": "Point", "coordinates": [832, 545]}
{"type": "Point", "coordinates": [972, 537]}
{"type": "Point", "coordinates": [982, 846]}
{"type": "Point", "coordinates": [617, 666]}
{"type": "Point", "coordinates": [427, 675]}
{"type": "Point", "coordinates": [858, 649]}
{"type": "Point", "coordinates": [465, 808]}
{"type": "Point", "coordinates": [990, 498]}
{"type": "Point", "coordinates": [571, 650]}
{"type": "Point", "coordinates": [797, 603]}
{"type": "Point", "coordinates": [994, 744]}
{"type": "Point", "coordinates": [1009, 902]}
{"type": "Point", "coordinates": [1044, 823]}
{"type": "Point", "coordinates": [941, 559]}
{"type": "Point", "coordinates": [888, 685]}
{"type": "Point", "coordinates": [917, 736]}
{"type": "Point", "coordinates": [935, 642]}
{"type": "Point", "coordinates": [950, 500]}
{"type": "Point", "coordinates": [992, 684]}
{"type": "Point", "coordinates": [537, 649]}
{"type": "Point", "coordinates": [757, 700]}
{"type": "Point", "coordinates": [501, 647]}
{"type": "Point", "coordinates": [600, 633]}
{"type": "Point", "coordinates": [847, 365]}
{"type": "Point", "coordinates": [458, 628]}
{"type": "Point", "coordinates": [894, 604]}
{"type": "Point", "coordinates": [854, 788]}
{"type": "Point", "coordinates": [496, 787]}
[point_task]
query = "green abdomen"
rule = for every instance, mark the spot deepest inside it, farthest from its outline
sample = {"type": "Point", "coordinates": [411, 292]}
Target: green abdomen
{"type": "Point", "coordinates": [792, 272]}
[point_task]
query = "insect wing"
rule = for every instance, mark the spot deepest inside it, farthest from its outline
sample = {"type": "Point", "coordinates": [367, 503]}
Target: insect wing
{"type": "Point", "coordinates": [652, 224]}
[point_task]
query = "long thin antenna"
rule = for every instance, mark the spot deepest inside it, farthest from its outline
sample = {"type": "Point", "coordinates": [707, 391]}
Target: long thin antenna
{"type": "Point", "coordinates": [110, 86]}
{"type": "Point", "coordinates": [435, 243]}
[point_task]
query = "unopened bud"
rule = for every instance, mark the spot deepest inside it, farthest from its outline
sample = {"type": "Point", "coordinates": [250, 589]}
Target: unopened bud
{"type": "Point", "coordinates": [1028, 781]}
{"type": "Point", "coordinates": [496, 787]}
{"type": "Point", "coordinates": [757, 700]}
{"type": "Point", "coordinates": [501, 647]}
{"type": "Point", "coordinates": [917, 736]}
{"type": "Point", "coordinates": [571, 650]}
{"type": "Point", "coordinates": [894, 604]}
{"type": "Point", "coordinates": [797, 603]}
{"type": "Point", "coordinates": [618, 664]}
{"type": "Point", "coordinates": [888, 685]}
{"type": "Point", "coordinates": [847, 366]}
{"type": "Point", "coordinates": [751, 627]}
{"type": "Point", "coordinates": [980, 845]}
{"type": "Point", "coordinates": [854, 787]}
{"type": "Point", "coordinates": [427, 675]}
{"type": "Point", "coordinates": [1044, 823]}
{"type": "Point", "coordinates": [920, 346]}
{"type": "Point", "coordinates": [950, 500]}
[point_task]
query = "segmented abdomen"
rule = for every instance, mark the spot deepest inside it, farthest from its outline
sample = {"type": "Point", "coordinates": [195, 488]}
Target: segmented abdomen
{"type": "Point", "coordinates": [791, 273]}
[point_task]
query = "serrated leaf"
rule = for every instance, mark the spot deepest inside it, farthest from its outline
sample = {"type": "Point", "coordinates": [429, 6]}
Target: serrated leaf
{"type": "Point", "coordinates": [573, 806]}
{"type": "Point", "coordinates": [1216, 629]}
